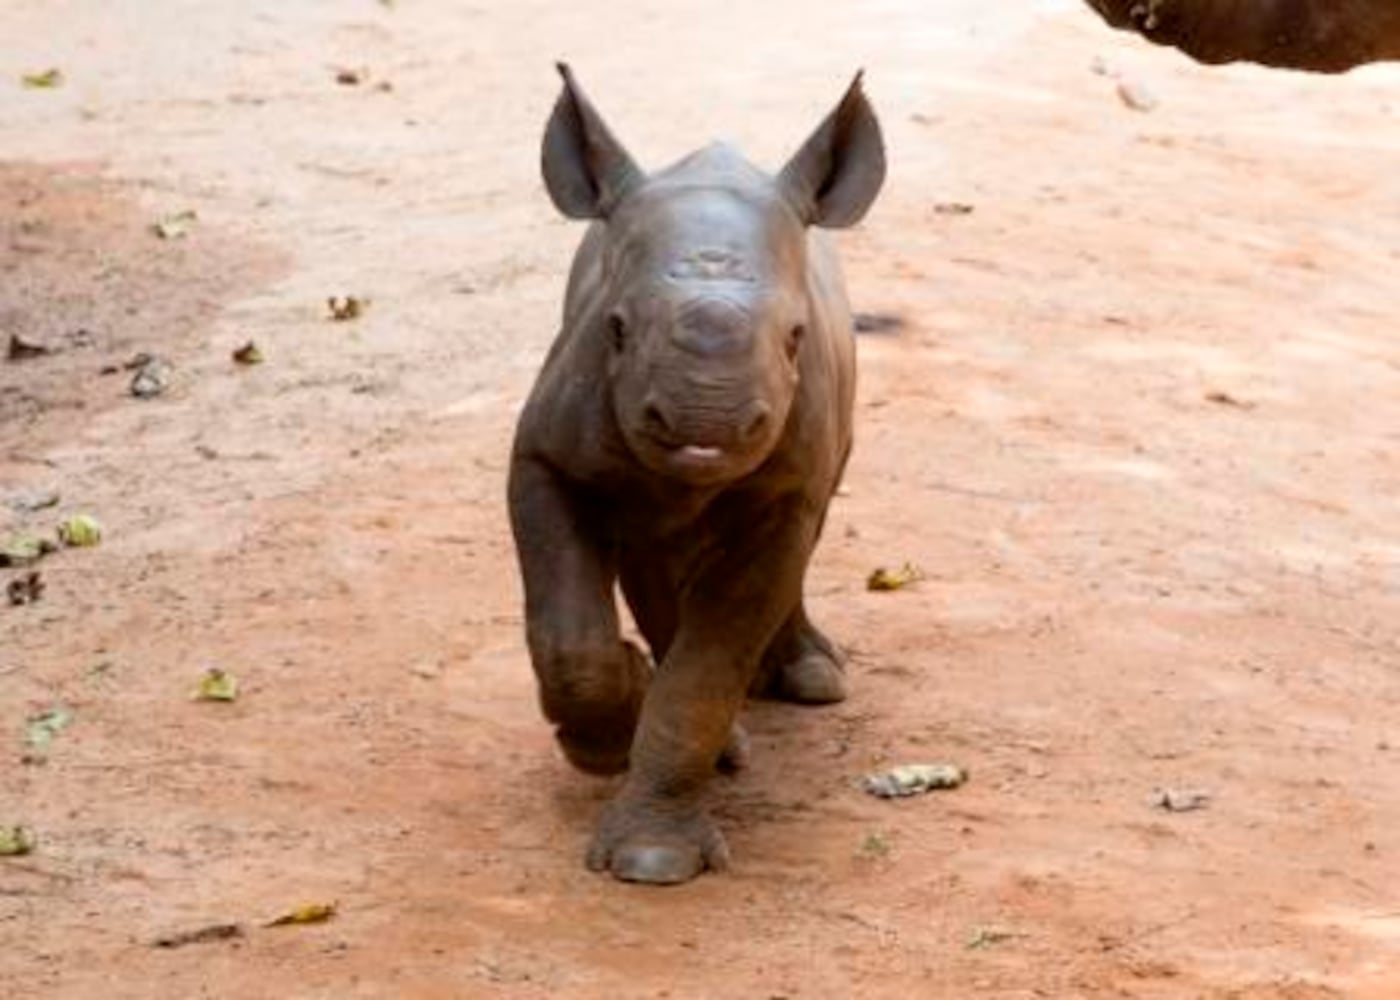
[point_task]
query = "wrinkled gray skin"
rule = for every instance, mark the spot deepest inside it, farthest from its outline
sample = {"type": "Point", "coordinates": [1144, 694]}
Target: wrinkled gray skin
{"type": "Point", "coordinates": [683, 440]}
{"type": "Point", "coordinates": [1323, 36]}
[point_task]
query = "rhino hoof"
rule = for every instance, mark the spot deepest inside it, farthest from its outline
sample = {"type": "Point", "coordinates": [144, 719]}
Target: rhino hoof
{"type": "Point", "coordinates": [655, 864]}
{"type": "Point", "coordinates": [812, 679]}
{"type": "Point", "coordinates": [656, 850]}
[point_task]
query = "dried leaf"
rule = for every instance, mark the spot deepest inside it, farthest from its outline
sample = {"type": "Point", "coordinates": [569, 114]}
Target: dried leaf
{"type": "Point", "coordinates": [200, 935]}
{"type": "Point", "coordinates": [351, 77]}
{"type": "Point", "coordinates": [344, 308]}
{"type": "Point", "coordinates": [15, 841]}
{"type": "Point", "coordinates": [1179, 801]}
{"type": "Point", "coordinates": [24, 350]}
{"type": "Point", "coordinates": [20, 550]}
{"type": "Point", "coordinates": [1225, 399]}
{"type": "Point", "coordinates": [217, 685]}
{"type": "Point", "coordinates": [44, 80]}
{"type": "Point", "coordinates": [32, 500]}
{"type": "Point", "coordinates": [985, 937]}
{"type": "Point", "coordinates": [953, 208]}
{"type": "Point", "coordinates": [176, 226]}
{"type": "Point", "coordinates": [311, 913]}
{"type": "Point", "coordinates": [249, 354]}
{"type": "Point", "coordinates": [913, 779]}
{"type": "Point", "coordinates": [25, 589]}
{"type": "Point", "coordinates": [81, 531]}
{"type": "Point", "coordinates": [893, 579]}
{"type": "Point", "coordinates": [39, 731]}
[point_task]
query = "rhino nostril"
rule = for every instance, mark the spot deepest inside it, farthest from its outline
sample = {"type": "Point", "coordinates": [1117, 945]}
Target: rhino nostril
{"type": "Point", "coordinates": [758, 420]}
{"type": "Point", "coordinates": [656, 420]}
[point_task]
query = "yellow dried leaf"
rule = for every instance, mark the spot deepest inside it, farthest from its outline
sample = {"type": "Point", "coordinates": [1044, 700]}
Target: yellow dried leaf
{"type": "Point", "coordinates": [893, 579]}
{"type": "Point", "coordinates": [15, 841]}
{"type": "Point", "coordinates": [217, 685]}
{"type": "Point", "coordinates": [46, 80]}
{"type": "Point", "coordinates": [311, 913]}
{"type": "Point", "coordinates": [80, 531]}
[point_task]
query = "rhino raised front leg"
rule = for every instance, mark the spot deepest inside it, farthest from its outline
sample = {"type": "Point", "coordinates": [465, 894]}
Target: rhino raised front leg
{"type": "Point", "coordinates": [657, 829]}
{"type": "Point", "coordinates": [591, 681]}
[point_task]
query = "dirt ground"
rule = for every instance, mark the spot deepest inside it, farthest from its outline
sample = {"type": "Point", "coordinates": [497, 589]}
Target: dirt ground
{"type": "Point", "coordinates": [1141, 430]}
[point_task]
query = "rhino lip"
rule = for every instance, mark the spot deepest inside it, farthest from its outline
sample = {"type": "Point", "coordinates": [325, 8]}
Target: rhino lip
{"type": "Point", "coordinates": [699, 452]}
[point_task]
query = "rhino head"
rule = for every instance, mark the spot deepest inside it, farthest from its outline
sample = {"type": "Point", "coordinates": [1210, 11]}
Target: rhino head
{"type": "Point", "coordinates": [700, 291]}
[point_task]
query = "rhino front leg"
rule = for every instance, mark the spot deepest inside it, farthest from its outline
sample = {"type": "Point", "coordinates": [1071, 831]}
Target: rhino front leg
{"type": "Point", "coordinates": [591, 681]}
{"type": "Point", "coordinates": [656, 830]}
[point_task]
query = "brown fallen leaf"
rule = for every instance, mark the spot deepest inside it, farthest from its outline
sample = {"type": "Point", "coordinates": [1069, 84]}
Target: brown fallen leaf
{"type": "Point", "coordinates": [351, 77]}
{"type": "Point", "coordinates": [1225, 399]}
{"type": "Point", "coordinates": [23, 350]}
{"type": "Point", "coordinates": [344, 308]}
{"type": "Point", "coordinates": [953, 208]}
{"type": "Point", "coordinates": [883, 579]}
{"type": "Point", "coordinates": [25, 589]}
{"type": "Point", "coordinates": [865, 322]}
{"type": "Point", "coordinates": [311, 913]}
{"type": "Point", "coordinates": [176, 226]}
{"type": "Point", "coordinates": [248, 354]}
{"type": "Point", "coordinates": [200, 935]}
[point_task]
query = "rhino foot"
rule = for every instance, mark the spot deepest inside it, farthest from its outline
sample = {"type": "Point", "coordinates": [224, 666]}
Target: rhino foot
{"type": "Point", "coordinates": [639, 842]}
{"type": "Point", "coordinates": [815, 678]}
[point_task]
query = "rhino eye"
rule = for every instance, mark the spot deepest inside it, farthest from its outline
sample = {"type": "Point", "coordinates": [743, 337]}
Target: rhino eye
{"type": "Point", "coordinates": [794, 341]}
{"type": "Point", "coordinates": [617, 330]}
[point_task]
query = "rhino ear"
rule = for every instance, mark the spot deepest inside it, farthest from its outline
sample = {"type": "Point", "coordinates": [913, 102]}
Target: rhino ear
{"type": "Point", "coordinates": [835, 176]}
{"type": "Point", "coordinates": [586, 170]}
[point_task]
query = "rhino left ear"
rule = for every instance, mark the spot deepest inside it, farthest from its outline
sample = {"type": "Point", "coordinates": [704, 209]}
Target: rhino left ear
{"type": "Point", "coordinates": [834, 178]}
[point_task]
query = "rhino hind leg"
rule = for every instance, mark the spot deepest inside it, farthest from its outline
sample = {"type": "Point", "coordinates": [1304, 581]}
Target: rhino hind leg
{"type": "Point", "coordinates": [802, 665]}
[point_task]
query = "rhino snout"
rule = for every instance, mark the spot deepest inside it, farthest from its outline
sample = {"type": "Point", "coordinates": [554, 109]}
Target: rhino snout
{"type": "Point", "coordinates": [680, 425]}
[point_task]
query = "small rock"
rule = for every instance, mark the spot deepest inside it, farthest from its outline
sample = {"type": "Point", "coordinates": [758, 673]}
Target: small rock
{"type": "Point", "coordinates": [152, 378]}
{"type": "Point", "coordinates": [1136, 95]}
{"type": "Point", "coordinates": [1178, 801]}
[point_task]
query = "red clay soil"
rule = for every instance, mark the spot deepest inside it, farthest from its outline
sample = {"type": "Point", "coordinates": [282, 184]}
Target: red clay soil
{"type": "Point", "coordinates": [1140, 429]}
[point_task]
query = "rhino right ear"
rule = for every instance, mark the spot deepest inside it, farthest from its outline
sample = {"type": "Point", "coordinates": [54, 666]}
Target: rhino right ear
{"type": "Point", "coordinates": [586, 170]}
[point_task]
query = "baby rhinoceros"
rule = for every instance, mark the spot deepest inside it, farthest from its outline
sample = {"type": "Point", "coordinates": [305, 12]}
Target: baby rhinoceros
{"type": "Point", "coordinates": [683, 440]}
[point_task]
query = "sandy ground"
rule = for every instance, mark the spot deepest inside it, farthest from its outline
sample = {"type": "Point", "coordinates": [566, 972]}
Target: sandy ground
{"type": "Point", "coordinates": [1141, 430]}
